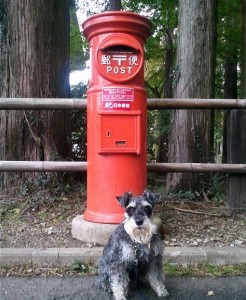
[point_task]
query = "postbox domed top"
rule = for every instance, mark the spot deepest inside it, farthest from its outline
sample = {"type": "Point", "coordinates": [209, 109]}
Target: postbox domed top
{"type": "Point", "coordinates": [117, 21]}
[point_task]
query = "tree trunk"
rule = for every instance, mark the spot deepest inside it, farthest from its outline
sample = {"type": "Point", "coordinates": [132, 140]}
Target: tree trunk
{"type": "Point", "coordinates": [160, 138]}
{"type": "Point", "coordinates": [191, 133]}
{"type": "Point", "coordinates": [114, 5]}
{"type": "Point", "coordinates": [37, 65]}
{"type": "Point", "coordinates": [3, 41]}
{"type": "Point", "coordinates": [230, 67]}
{"type": "Point", "coordinates": [236, 183]}
{"type": "Point", "coordinates": [3, 47]}
{"type": "Point", "coordinates": [168, 87]}
{"type": "Point", "coordinates": [243, 66]}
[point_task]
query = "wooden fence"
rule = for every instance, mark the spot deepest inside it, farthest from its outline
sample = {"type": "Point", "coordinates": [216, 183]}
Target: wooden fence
{"type": "Point", "coordinates": [76, 104]}
{"type": "Point", "coordinates": [67, 103]}
{"type": "Point", "coordinates": [54, 166]}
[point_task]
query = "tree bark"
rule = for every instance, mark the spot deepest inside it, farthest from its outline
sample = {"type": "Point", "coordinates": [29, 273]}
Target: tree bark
{"type": "Point", "coordinates": [3, 36]}
{"type": "Point", "coordinates": [191, 133]}
{"type": "Point", "coordinates": [114, 5]}
{"type": "Point", "coordinates": [236, 136]}
{"type": "Point", "coordinates": [230, 67]}
{"type": "Point", "coordinates": [168, 86]}
{"type": "Point", "coordinates": [236, 183]}
{"type": "Point", "coordinates": [243, 66]}
{"type": "Point", "coordinates": [160, 138]}
{"type": "Point", "coordinates": [37, 65]}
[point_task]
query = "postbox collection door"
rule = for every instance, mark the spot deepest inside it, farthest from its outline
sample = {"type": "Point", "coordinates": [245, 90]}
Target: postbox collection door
{"type": "Point", "coordinates": [120, 132]}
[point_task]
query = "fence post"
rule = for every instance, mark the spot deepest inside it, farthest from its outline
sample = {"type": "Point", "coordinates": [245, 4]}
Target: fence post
{"type": "Point", "coordinates": [236, 153]}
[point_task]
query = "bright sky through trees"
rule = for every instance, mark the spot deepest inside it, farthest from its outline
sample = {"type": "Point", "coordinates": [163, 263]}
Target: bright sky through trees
{"type": "Point", "coordinates": [80, 75]}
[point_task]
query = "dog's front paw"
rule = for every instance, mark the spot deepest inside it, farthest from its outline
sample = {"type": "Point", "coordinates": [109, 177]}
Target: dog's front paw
{"type": "Point", "coordinates": [100, 284]}
{"type": "Point", "coordinates": [163, 293]}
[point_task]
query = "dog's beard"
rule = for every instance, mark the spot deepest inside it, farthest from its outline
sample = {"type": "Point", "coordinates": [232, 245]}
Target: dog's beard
{"type": "Point", "coordinates": [140, 234]}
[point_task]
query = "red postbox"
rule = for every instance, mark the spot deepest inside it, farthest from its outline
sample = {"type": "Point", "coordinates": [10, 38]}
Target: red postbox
{"type": "Point", "coordinates": [116, 112]}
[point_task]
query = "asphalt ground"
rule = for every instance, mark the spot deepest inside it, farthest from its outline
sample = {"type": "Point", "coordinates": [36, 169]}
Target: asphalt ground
{"type": "Point", "coordinates": [73, 288]}
{"type": "Point", "coordinates": [84, 288]}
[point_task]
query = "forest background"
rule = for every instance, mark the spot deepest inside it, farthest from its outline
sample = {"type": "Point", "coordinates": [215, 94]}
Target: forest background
{"type": "Point", "coordinates": [197, 50]}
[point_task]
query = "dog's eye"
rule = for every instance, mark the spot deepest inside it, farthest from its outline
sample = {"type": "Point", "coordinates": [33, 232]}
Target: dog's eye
{"type": "Point", "coordinates": [130, 211]}
{"type": "Point", "coordinates": [148, 210]}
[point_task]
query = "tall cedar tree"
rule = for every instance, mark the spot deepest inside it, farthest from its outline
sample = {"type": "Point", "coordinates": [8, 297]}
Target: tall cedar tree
{"type": "Point", "coordinates": [37, 65]}
{"type": "Point", "coordinates": [114, 5]}
{"type": "Point", "coordinates": [191, 132]}
{"type": "Point", "coordinates": [236, 138]}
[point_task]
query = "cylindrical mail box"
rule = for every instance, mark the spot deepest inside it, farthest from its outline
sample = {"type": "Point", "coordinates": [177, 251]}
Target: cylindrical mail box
{"type": "Point", "coordinates": [116, 112]}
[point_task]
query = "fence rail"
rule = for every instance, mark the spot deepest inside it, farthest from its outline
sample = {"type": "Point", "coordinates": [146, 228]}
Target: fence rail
{"type": "Point", "coordinates": [42, 103]}
{"type": "Point", "coordinates": [42, 166]}
{"type": "Point", "coordinates": [48, 166]}
{"type": "Point", "coordinates": [196, 103]}
{"type": "Point", "coordinates": [75, 103]}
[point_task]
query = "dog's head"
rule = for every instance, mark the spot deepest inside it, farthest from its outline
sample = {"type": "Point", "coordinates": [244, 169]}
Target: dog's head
{"type": "Point", "coordinates": [138, 212]}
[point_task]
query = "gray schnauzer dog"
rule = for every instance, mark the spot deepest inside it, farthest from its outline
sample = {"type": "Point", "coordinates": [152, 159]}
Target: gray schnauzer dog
{"type": "Point", "coordinates": [134, 249]}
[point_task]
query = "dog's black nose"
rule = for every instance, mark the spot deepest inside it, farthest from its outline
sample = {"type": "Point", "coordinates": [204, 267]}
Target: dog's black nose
{"type": "Point", "coordinates": [139, 222]}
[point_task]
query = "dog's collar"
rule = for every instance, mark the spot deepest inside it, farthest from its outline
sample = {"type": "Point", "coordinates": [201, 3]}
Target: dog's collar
{"type": "Point", "coordinates": [136, 246]}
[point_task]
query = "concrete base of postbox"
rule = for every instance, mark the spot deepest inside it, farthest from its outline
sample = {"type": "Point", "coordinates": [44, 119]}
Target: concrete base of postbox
{"type": "Point", "coordinates": [90, 232]}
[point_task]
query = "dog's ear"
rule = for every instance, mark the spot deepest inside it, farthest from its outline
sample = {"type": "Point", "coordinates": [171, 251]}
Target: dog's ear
{"type": "Point", "coordinates": [124, 199]}
{"type": "Point", "coordinates": [151, 197]}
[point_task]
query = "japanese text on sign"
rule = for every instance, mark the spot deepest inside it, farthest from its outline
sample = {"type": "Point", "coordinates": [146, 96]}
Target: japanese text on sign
{"type": "Point", "coordinates": [117, 97]}
{"type": "Point", "coordinates": [117, 93]}
{"type": "Point", "coordinates": [120, 63]}
{"type": "Point", "coordinates": [116, 105]}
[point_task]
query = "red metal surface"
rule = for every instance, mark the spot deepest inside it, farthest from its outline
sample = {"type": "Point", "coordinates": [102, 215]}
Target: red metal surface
{"type": "Point", "coordinates": [116, 112]}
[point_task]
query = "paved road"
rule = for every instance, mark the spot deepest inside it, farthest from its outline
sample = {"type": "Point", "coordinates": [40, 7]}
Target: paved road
{"type": "Point", "coordinates": [180, 288]}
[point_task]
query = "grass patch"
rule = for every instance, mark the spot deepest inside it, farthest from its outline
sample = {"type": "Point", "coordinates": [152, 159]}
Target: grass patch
{"type": "Point", "coordinates": [204, 270]}
{"type": "Point", "coordinates": [41, 202]}
{"type": "Point", "coordinates": [78, 269]}
{"type": "Point", "coordinates": [82, 269]}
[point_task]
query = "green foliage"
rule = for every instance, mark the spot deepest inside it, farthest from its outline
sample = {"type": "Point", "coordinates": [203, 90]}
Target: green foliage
{"type": "Point", "coordinates": [218, 134]}
{"type": "Point", "coordinates": [94, 7]}
{"type": "Point", "coordinates": [203, 269]}
{"type": "Point", "coordinates": [79, 149]}
{"type": "Point", "coordinates": [79, 54]}
{"type": "Point", "coordinates": [214, 190]}
{"type": "Point", "coordinates": [157, 132]}
{"type": "Point", "coordinates": [164, 17]}
{"type": "Point", "coordinates": [78, 123]}
{"type": "Point", "coordinates": [78, 91]}
{"type": "Point", "coordinates": [81, 268]}
{"type": "Point", "coordinates": [78, 45]}
{"type": "Point", "coordinates": [11, 212]}
{"type": "Point", "coordinates": [217, 189]}
{"type": "Point", "coordinates": [183, 195]}
{"type": "Point", "coordinates": [229, 37]}
{"type": "Point", "coordinates": [78, 266]}
{"type": "Point", "coordinates": [46, 190]}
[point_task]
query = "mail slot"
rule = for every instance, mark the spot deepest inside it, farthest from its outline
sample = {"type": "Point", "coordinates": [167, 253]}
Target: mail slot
{"type": "Point", "coordinates": [116, 112]}
{"type": "Point", "coordinates": [119, 57]}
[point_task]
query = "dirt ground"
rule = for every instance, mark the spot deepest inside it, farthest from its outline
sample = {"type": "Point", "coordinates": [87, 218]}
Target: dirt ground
{"type": "Point", "coordinates": [42, 218]}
